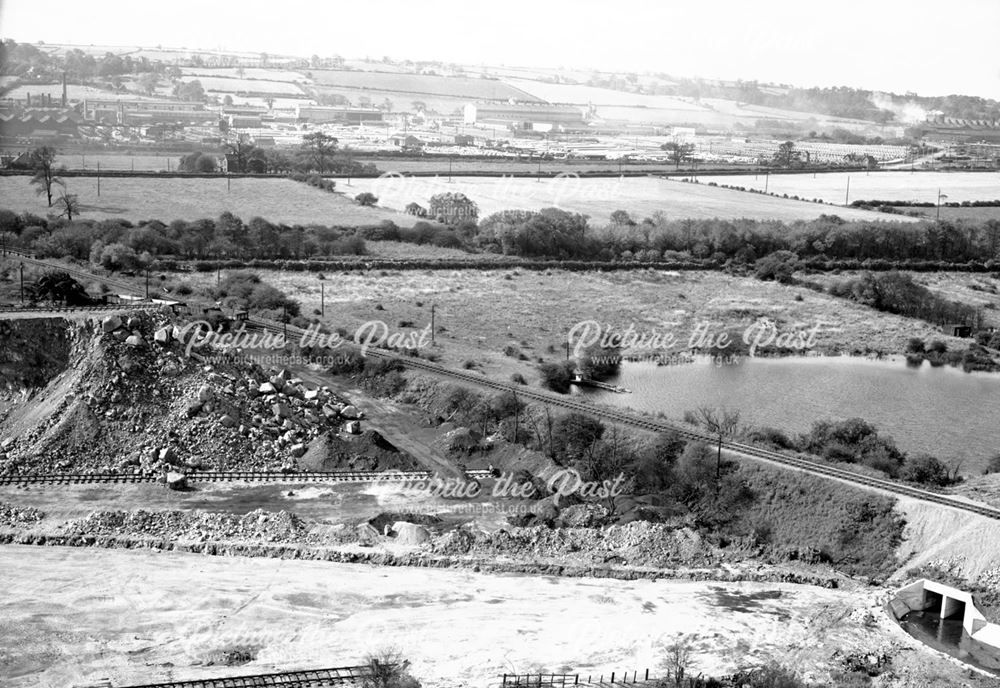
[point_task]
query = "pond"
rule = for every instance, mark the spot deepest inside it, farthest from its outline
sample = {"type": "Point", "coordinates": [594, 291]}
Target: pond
{"type": "Point", "coordinates": [943, 411]}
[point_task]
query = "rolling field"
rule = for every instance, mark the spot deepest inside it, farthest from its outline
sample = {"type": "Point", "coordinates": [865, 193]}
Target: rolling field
{"type": "Point", "coordinates": [278, 200]}
{"type": "Point", "coordinates": [455, 87]}
{"type": "Point", "coordinates": [892, 186]}
{"type": "Point", "coordinates": [234, 85]}
{"type": "Point", "coordinates": [621, 105]}
{"type": "Point", "coordinates": [598, 198]}
{"type": "Point", "coordinates": [119, 161]}
{"type": "Point", "coordinates": [73, 92]}
{"type": "Point", "coordinates": [583, 95]}
{"type": "Point", "coordinates": [401, 101]}
{"type": "Point", "coordinates": [250, 73]}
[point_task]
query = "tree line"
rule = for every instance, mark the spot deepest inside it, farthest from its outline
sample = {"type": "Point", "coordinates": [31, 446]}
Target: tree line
{"type": "Point", "coordinates": [120, 244]}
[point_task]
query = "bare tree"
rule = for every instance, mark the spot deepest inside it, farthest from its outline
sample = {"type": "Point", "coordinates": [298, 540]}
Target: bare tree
{"type": "Point", "coordinates": [722, 423]}
{"type": "Point", "coordinates": [43, 161]}
{"type": "Point", "coordinates": [679, 658]}
{"type": "Point", "coordinates": [70, 205]}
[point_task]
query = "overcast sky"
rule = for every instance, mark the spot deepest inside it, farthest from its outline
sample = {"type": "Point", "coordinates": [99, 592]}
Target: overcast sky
{"type": "Point", "coordinates": [933, 48]}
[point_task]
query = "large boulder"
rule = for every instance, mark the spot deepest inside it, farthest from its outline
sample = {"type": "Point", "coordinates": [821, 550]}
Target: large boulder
{"type": "Point", "coordinates": [407, 533]}
{"type": "Point", "coordinates": [162, 336]}
{"type": "Point", "coordinates": [135, 341]}
{"type": "Point", "coordinates": [111, 323]}
{"type": "Point", "coordinates": [350, 412]}
{"type": "Point", "coordinates": [205, 393]}
{"type": "Point", "coordinates": [175, 481]}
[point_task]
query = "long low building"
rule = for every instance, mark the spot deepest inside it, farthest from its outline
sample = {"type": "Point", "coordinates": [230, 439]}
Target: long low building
{"type": "Point", "coordinates": [321, 114]}
{"type": "Point", "coordinates": [523, 113]}
{"type": "Point", "coordinates": [139, 111]}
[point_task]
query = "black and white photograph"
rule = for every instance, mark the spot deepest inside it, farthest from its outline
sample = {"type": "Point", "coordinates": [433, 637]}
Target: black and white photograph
{"type": "Point", "coordinates": [551, 344]}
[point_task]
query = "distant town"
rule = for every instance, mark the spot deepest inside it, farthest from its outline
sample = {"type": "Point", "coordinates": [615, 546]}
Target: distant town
{"type": "Point", "coordinates": [91, 97]}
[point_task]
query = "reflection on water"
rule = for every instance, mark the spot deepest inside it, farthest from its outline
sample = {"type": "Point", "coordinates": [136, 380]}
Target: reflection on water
{"type": "Point", "coordinates": [943, 411]}
{"type": "Point", "coordinates": [948, 636]}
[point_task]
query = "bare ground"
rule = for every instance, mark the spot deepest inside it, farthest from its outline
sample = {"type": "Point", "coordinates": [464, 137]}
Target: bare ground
{"type": "Point", "coordinates": [83, 614]}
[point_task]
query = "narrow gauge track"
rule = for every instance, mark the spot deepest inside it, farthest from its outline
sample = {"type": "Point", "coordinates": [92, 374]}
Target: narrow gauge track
{"type": "Point", "coordinates": [656, 425]}
{"type": "Point", "coordinates": [29, 258]}
{"type": "Point", "coordinates": [7, 310]}
{"type": "Point", "coordinates": [228, 476]}
{"type": "Point", "coordinates": [306, 678]}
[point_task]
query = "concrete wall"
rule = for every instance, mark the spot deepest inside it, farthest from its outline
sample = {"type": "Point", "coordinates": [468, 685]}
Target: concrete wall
{"type": "Point", "coordinates": [925, 593]}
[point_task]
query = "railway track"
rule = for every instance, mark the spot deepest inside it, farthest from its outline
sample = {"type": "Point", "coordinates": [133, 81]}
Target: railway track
{"type": "Point", "coordinates": [636, 420]}
{"type": "Point", "coordinates": [306, 678]}
{"type": "Point", "coordinates": [228, 476]}
{"type": "Point", "coordinates": [29, 258]}
{"type": "Point", "coordinates": [6, 310]}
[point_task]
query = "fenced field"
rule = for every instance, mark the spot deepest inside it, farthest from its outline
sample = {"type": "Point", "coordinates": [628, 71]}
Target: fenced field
{"type": "Point", "coordinates": [137, 198]}
{"type": "Point", "coordinates": [892, 186]}
{"type": "Point", "coordinates": [598, 198]}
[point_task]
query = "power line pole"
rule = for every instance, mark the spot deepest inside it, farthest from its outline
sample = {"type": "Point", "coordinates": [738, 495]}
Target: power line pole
{"type": "Point", "coordinates": [98, 178]}
{"type": "Point", "coordinates": [22, 282]}
{"type": "Point", "coordinates": [847, 194]}
{"type": "Point", "coordinates": [322, 299]}
{"type": "Point", "coordinates": [433, 308]}
{"type": "Point", "coordinates": [147, 283]}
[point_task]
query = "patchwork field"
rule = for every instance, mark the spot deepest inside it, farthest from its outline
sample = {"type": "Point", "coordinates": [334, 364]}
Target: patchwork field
{"type": "Point", "coordinates": [456, 87]}
{"type": "Point", "coordinates": [892, 186]}
{"type": "Point", "coordinates": [634, 107]}
{"type": "Point", "coordinates": [278, 200]}
{"type": "Point", "coordinates": [249, 73]}
{"type": "Point", "coordinates": [401, 100]}
{"type": "Point", "coordinates": [234, 84]}
{"type": "Point", "coordinates": [598, 198]}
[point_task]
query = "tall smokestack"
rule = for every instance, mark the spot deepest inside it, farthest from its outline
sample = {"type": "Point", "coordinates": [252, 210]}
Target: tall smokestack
{"type": "Point", "coordinates": [65, 100]}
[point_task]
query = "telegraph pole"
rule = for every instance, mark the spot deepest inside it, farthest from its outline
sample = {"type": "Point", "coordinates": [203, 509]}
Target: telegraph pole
{"type": "Point", "coordinates": [98, 178]}
{"type": "Point", "coordinates": [22, 282]}
{"type": "Point", "coordinates": [322, 298]}
{"type": "Point", "coordinates": [147, 283]}
{"type": "Point", "coordinates": [847, 194]}
{"type": "Point", "coordinates": [433, 307]}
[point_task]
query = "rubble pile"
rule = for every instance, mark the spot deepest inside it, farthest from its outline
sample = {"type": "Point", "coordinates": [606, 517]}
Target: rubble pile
{"type": "Point", "coordinates": [18, 517]}
{"type": "Point", "coordinates": [138, 403]}
{"type": "Point", "coordinates": [368, 451]}
{"type": "Point", "coordinates": [258, 525]}
{"type": "Point", "coordinates": [639, 543]}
